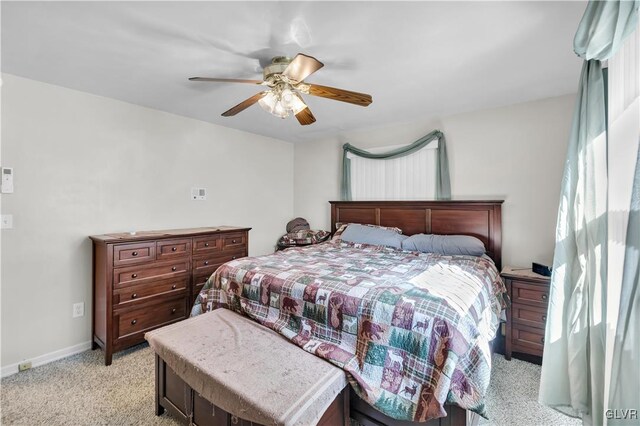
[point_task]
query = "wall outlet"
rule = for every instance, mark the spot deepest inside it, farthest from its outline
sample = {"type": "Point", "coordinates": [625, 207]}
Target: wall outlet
{"type": "Point", "coordinates": [78, 309]}
{"type": "Point", "coordinates": [7, 221]}
{"type": "Point", "coordinates": [199, 194]}
{"type": "Point", "coordinates": [24, 366]}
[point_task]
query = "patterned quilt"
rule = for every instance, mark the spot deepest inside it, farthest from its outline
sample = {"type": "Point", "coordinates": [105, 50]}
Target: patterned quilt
{"type": "Point", "coordinates": [412, 330]}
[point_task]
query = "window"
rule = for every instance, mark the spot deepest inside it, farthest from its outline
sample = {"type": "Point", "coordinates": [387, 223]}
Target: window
{"type": "Point", "coordinates": [412, 177]}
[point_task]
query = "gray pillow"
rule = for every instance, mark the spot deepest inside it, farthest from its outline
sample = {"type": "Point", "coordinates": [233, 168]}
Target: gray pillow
{"type": "Point", "coordinates": [362, 234]}
{"type": "Point", "coordinates": [444, 244]}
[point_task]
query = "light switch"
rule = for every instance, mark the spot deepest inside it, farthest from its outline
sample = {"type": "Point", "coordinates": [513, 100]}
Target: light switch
{"type": "Point", "coordinates": [7, 221]}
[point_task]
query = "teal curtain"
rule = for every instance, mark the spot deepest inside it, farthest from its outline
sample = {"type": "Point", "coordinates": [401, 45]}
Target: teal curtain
{"type": "Point", "coordinates": [443, 184]}
{"type": "Point", "coordinates": [573, 376]}
{"type": "Point", "coordinates": [624, 392]}
{"type": "Point", "coordinates": [604, 27]}
{"type": "Point", "coordinates": [574, 342]}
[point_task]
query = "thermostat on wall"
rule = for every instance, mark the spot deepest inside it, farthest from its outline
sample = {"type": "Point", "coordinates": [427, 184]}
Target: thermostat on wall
{"type": "Point", "coordinates": [7, 180]}
{"type": "Point", "coordinates": [198, 193]}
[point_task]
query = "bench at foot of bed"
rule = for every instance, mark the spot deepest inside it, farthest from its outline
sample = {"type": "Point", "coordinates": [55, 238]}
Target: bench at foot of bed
{"type": "Point", "coordinates": [188, 407]}
{"type": "Point", "coordinates": [220, 368]}
{"type": "Point", "coordinates": [223, 361]}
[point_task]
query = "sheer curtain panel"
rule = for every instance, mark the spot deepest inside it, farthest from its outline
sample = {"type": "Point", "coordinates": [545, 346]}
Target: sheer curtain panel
{"type": "Point", "coordinates": [575, 370]}
{"type": "Point", "coordinates": [367, 178]}
{"type": "Point", "coordinates": [411, 177]}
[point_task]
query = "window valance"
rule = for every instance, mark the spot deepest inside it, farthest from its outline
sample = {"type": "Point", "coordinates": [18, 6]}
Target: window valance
{"type": "Point", "coordinates": [443, 185]}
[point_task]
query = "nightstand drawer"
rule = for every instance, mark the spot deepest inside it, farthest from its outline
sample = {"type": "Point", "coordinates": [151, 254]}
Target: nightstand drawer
{"type": "Point", "coordinates": [529, 294]}
{"type": "Point", "coordinates": [529, 315]}
{"type": "Point", "coordinates": [528, 338]}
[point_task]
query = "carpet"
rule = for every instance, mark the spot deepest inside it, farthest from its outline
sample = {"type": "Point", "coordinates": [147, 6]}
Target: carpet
{"type": "Point", "coordinates": [80, 390]}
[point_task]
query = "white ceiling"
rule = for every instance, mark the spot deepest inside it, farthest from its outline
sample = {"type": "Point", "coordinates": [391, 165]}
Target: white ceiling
{"type": "Point", "coordinates": [417, 59]}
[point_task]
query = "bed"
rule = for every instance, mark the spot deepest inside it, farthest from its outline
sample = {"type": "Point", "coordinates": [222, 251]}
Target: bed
{"type": "Point", "coordinates": [412, 330]}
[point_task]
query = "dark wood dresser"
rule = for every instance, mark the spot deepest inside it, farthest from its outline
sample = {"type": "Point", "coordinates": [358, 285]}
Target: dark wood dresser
{"type": "Point", "coordinates": [150, 279]}
{"type": "Point", "coordinates": [527, 315]}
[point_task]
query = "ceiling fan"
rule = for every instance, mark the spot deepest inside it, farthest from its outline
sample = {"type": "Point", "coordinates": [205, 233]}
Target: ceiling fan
{"type": "Point", "coordinates": [284, 78]}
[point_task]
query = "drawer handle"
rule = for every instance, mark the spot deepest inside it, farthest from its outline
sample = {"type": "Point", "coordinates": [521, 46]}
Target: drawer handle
{"type": "Point", "coordinates": [542, 340]}
{"type": "Point", "coordinates": [173, 311]}
{"type": "Point", "coordinates": [173, 287]}
{"type": "Point", "coordinates": [134, 322]}
{"type": "Point", "coordinates": [206, 244]}
{"type": "Point", "coordinates": [134, 275]}
{"type": "Point", "coordinates": [544, 297]}
{"type": "Point", "coordinates": [134, 295]}
{"type": "Point", "coordinates": [233, 257]}
{"type": "Point", "coordinates": [135, 253]}
{"type": "Point", "coordinates": [233, 241]}
{"type": "Point", "coordinates": [173, 268]}
{"type": "Point", "coordinates": [234, 420]}
{"type": "Point", "coordinates": [206, 262]}
{"type": "Point", "coordinates": [544, 318]}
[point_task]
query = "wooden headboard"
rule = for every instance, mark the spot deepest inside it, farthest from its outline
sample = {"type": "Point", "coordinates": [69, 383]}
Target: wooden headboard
{"type": "Point", "coordinates": [481, 219]}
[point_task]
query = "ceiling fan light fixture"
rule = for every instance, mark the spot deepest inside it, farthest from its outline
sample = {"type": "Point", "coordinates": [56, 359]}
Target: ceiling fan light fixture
{"type": "Point", "coordinates": [285, 80]}
{"type": "Point", "coordinates": [272, 103]}
{"type": "Point", "coordinates": [268, 101]}
{"type": "Point", "coordinates": [280, 111]}
{"type": "Point", "coordinates": [297, 104]}
{"type": "Point", "coordinates": [282, 102]}
{"type": "Point", "coordinates": [287, 97]}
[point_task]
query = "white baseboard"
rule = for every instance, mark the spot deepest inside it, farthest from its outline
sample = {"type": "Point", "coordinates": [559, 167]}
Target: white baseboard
{"type": "Point", "coordinates": [8, 370]}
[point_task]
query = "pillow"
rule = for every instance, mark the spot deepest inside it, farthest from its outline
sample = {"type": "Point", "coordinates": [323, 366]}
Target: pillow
{"type": "Point", "coordinates": [376, 235]}
{"type": "Point", "coordinates": [444, 244]}
{"type": "Point", "coordinates": [341, 227]}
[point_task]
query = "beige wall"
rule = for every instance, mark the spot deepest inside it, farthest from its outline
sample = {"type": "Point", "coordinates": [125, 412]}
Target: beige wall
{"type": "Point", "coordinates": [86, 165]}
{"type": "Point", "coordinates": [515, 153]}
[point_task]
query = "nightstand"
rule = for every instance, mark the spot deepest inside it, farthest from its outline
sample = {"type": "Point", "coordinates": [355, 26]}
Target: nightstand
{"type": "Point", "coordinates": [527, 314]}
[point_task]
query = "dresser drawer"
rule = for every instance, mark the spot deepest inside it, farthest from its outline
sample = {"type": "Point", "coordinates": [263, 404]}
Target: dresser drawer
{"type": "Point", "coordinates": [149, 291]}
{"type": "Point", "coordinates": [202, 264]}
{"type": "Point", "coordinates": [199, 280]}
{"type": "Point", "coordinates": [529, 315]}
{"type": "Point", "coordinates": [207, 265]}
{"type": "Point", "coordinates": [150, 316]}
{"type": "Point", "coordinates": [209, 244]}
{"type": "Point", "coordinates": [528, 338]}
{"type": "Point", "coordinates": [529, 294]}
{"type": "Point", "coordinates": [234, 241]}
{"type": "Point", "coordinates": [169, 249]}
{"type": "Point", "coordinates": [130, 254]}
{"type": "Point", "coordinates": [134, 275]}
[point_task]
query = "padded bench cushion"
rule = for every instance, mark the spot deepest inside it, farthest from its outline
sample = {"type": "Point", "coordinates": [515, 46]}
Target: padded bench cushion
{"type": "Point", "coordinates": [247, 369]}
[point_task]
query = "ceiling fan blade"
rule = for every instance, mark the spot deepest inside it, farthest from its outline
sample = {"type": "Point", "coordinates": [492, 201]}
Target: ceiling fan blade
{"type": "Point", "coordinates": [302, 67]}
{"type": "Point", "coordinates": [244, 104]}
{"type": "Point", "coordinates": [305, 117]}
{"type": "Point", "coordinates": [356, 98]}
{"type": "Point", "coordinates": [226, 80]}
